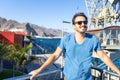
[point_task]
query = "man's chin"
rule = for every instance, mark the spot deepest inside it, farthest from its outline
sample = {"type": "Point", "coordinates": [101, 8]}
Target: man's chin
{"type": "Point", "coordinates": [81, 31]}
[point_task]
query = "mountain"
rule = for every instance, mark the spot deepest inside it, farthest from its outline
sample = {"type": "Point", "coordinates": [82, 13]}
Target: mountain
{"type": "Point", "coordinates": [35, 30]}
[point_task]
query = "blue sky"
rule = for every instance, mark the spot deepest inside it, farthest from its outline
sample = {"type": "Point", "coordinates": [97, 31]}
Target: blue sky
{"type": "Point", "coordinates": [47, 13]}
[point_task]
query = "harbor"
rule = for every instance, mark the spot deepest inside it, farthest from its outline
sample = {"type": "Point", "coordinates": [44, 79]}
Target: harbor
{"type": "Point", "coordinates": [54, 72]}
{"type": "Point", "coordinates": [104, 23]}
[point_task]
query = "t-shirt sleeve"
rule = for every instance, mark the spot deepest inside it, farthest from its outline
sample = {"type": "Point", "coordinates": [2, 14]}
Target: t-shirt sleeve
{"type": "Point", "coordinates": [97, 44]}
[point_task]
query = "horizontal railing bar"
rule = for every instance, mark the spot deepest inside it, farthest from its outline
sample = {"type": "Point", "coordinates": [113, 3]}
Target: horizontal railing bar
{"type": "Point", "coordinates": [27, 76]}
{"type": "Point", "coordinates": [106, 71]}
{"type": "Point", "coordinates": [111, 73]}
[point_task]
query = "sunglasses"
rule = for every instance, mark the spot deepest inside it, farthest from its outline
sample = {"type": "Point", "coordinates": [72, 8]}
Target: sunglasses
{"type": "Point", "coordinates": [80, 22]}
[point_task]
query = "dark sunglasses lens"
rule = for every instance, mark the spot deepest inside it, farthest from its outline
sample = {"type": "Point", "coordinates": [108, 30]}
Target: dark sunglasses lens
{"type": "Point", "coordinates": [80, 22]}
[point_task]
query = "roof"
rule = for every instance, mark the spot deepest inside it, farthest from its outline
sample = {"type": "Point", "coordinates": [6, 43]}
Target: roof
{"type": "Point", "coordinates": [18, 32]}
{"type": "Point", "coordinates": [95, 31]}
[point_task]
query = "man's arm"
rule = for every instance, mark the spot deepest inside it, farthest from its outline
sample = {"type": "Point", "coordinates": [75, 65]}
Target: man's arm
{"type": "Point", "coordinates": [107, 61]}
{"type": "Point", "coordinates": [49, 61]}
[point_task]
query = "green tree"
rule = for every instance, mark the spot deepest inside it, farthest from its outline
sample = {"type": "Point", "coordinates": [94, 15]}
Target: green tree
{"type": "Point", "coordinates": [18, 56]}
{"type": "Point", "coordinates": [3, 51]}
{"type": "Point", "coordinates": [24, 56]}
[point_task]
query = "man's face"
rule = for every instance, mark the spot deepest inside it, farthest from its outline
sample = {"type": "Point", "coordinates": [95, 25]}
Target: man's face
{"type": "Point", "coordinates": [80, 24]}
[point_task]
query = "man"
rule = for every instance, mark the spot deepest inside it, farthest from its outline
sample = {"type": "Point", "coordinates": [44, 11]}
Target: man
{"type": "Point", "coordinates": [78, 47]}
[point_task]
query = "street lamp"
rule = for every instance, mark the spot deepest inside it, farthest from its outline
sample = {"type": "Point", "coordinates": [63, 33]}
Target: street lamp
{"type": "Point", "coordinates": [62, 59]}
{"type": "Point", "coordinates": [66, 22]}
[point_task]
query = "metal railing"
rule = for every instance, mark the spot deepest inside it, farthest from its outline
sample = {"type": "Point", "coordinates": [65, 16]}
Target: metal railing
{"type": "Point", "coordinates": [97, 74]}
{"type": "Point", "coordinates": [51, 75]}
{"type": "Point", "coordinates": [100, 74]}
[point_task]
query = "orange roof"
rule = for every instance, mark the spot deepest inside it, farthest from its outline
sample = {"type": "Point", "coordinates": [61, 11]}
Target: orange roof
{"type": "Point", "coordinates": [22, 33]}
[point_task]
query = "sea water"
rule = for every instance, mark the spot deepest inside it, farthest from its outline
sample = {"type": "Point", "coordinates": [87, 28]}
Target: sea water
{"type": "Point", "coordinates": [45, 45]}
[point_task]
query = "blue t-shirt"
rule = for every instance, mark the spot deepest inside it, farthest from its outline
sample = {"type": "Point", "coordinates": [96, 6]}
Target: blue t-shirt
{"type": "Point", "coordinates": [78, 57]}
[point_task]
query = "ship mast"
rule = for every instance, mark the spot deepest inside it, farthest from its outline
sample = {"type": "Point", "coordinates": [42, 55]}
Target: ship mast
{"type": "Point", "coordinates": [103, 13]}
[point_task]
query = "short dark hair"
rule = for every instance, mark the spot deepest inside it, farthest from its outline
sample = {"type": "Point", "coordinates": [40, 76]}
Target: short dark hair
{"type": "Point", "coordinates": [78, 14]}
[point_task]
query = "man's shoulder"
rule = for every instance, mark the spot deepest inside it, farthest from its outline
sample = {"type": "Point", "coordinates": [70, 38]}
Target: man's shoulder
{"type": "Point", "coordinates": [90, 35]}
{"type": "Point", "coordinates": [68, 36]}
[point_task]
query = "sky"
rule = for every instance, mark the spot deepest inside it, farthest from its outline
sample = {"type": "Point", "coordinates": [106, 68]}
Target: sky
{"type": "Point", "coordinates": [46, 13]}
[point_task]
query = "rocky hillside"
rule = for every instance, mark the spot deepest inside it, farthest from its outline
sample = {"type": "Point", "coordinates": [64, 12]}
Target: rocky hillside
{"type": "Point", "coordinates": [10, 25]}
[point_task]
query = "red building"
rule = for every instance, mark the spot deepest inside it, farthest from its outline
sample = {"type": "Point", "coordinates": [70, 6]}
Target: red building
{"type": "Point", "coordinates": [13, 37]}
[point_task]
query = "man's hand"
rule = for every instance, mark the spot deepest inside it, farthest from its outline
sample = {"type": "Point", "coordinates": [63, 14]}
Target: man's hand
{"type": "Point", "coordinates": [33, 74]}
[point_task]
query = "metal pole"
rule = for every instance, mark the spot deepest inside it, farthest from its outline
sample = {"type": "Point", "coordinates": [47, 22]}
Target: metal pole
{"type": "Point", "coordinates": [62, 60]}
